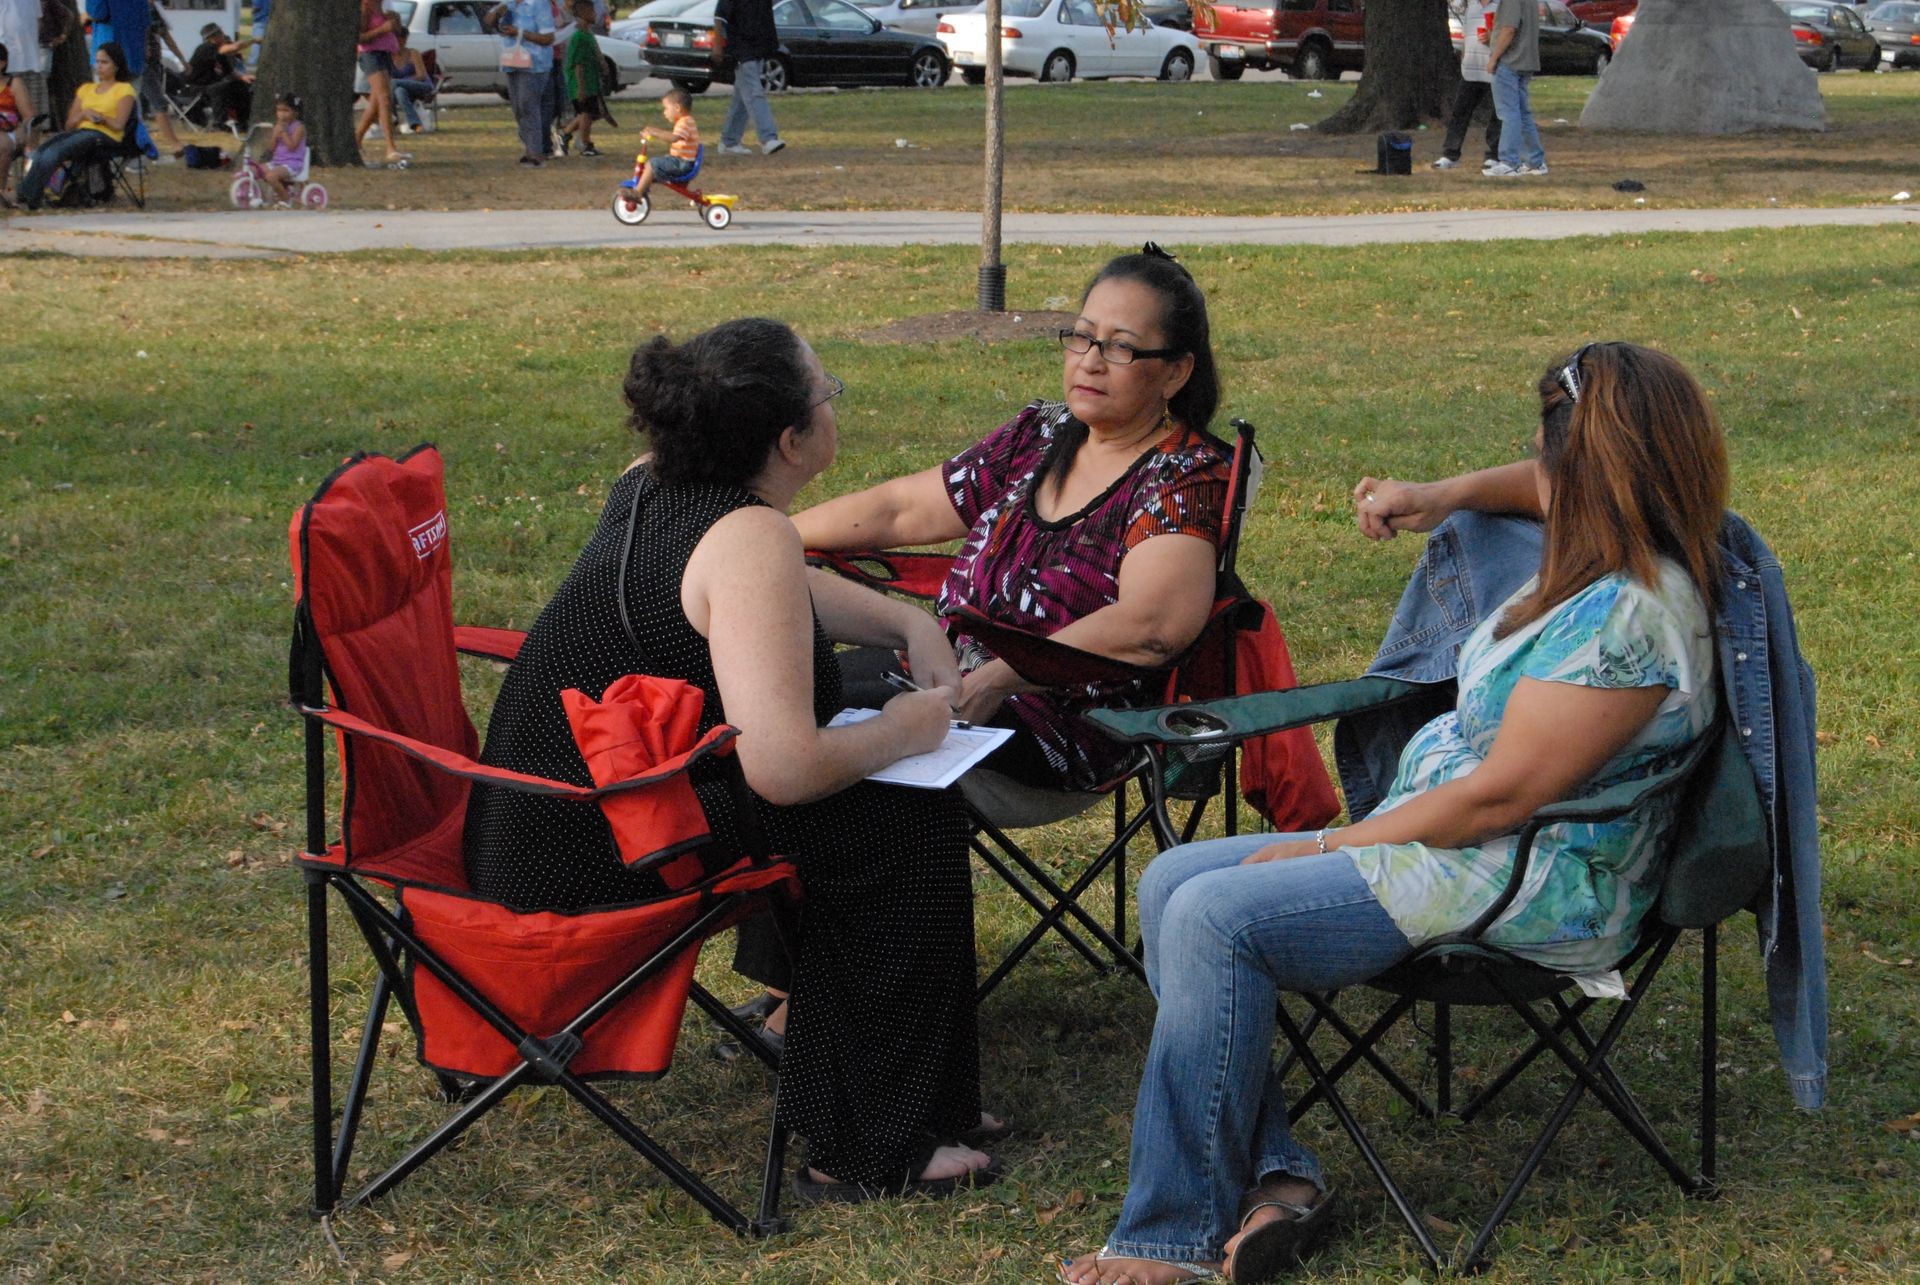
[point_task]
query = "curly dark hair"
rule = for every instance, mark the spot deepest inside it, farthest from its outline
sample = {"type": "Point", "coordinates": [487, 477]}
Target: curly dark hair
{"type": "Point", "coordinates": [714, 406]}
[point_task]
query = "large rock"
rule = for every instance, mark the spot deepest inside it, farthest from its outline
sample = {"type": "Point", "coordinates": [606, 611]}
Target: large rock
{"type": "Point", "coordinates": [1707, 67]}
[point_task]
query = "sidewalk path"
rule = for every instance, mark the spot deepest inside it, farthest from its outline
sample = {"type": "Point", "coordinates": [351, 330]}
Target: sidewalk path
{"type": "Point", "coordinates": [674, 225]}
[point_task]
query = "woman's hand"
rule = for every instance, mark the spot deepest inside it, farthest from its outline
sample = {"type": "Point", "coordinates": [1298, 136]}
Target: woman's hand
{"type": "Point", "coordinates": [930, 656]}
{"type": "Point", "coordinates": [1283, 851]}
{"type": "Point", "coordinates": [922, 718]}
{"type": "Point", "coordinates": [984, 690]}
{"type": "Point", "coordinates": [1383, 508]}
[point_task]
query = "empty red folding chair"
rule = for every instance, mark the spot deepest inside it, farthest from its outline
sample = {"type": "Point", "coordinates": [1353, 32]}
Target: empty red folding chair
{"type": "Point", "coordinates": [497, 996]}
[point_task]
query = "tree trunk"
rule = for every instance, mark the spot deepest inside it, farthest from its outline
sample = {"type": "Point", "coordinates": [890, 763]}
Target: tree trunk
{"type": "Point", "coordinates": [1411, 70]}
{"type": "Point", "coordinates": [1707, 67]}
{"type": "Point", "coordinates": [993, 275]}
{"type": "Point", "coordinates": [310, 52]}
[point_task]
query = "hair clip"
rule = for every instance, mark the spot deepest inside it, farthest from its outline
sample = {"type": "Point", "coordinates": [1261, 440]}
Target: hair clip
{"type": "Point", "coordinates": [1152, 250]}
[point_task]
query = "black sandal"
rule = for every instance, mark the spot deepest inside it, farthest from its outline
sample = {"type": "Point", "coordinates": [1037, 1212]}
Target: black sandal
{"type": "Point", "coordinates": [1273, 1248]}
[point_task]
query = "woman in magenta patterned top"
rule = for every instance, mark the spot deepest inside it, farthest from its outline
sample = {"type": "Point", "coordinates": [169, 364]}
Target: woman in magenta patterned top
{"type": "Point", "coordinates": [1092, 520]}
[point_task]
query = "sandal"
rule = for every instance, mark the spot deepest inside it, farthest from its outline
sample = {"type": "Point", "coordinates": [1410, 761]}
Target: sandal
{"type": "Point", "coordinates": [812, 1191]}
{"type": "Point", "coordinates": [1270, 1249]}
{"type": "Point", "coordinates": [1195, 1271]}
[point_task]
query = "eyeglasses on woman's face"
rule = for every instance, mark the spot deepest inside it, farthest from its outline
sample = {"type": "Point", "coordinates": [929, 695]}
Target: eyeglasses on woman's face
{"type": "Point", "coordinates": [834, 388]}
{"type": "Point", "coordinates": [1115, 352]}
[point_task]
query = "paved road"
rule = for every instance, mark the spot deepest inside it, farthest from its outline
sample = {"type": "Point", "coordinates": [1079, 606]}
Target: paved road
{"type": "Point", "coordinates": [263, 232]}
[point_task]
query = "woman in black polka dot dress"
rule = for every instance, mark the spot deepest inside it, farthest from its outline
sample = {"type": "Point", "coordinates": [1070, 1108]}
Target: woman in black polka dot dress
{"type": "Point", "coordinates": [880, 1071]}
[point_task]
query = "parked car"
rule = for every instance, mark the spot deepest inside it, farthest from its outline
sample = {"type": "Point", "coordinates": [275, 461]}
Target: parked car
{"type": "Point", "coordinates": [921, 17]}
{"type": "Point", "coordinates": [1896, 29]}
{"type": "Point", "coordinates": [469, 56]}
{"type": "Point", "coordinates": [1830, 36]}
{"type": "Point", "coordinates": [822, 42]}
{"type": "Point", "coordinates": [1568, 47]}
{"type": "Point", "coordinates": [1061, 39]}
{"type": "Point", "coordinates": [1310, 39]}
{"type": "Point", "coordinates": [1168, 13]}
{"type": "Point", "coordinates": [1601, 13]}
{"type": "Point", "coordinates": [634, 26]}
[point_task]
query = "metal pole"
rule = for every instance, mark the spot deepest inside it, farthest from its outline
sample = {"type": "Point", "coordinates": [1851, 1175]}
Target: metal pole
{"type": "Point", "coordinates": [993, 274]}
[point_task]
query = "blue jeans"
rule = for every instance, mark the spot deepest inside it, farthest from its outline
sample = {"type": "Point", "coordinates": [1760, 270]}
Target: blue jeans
{"type": "Point", "coordinates": [1222, 941]}
{"type": "Point", "coordinates": [404, 92]}
{"type": "Point", "coordinates": [553, 105]}
{"type": "Point", "coordinates": [527, 91]}
{"type": "Point", "coordinates": [1519, 136]}
{"type": "Point", "coordinates": [74, 145]}
{"type": "Point", "coordinates": [749, 97]}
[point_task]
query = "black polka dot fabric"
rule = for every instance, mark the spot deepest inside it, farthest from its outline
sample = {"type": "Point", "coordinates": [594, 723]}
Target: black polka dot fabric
{"type": "Point", "coordinates": [882, 1054]}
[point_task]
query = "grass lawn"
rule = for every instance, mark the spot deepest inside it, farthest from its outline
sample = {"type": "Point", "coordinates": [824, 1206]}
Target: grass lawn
{"type": "Point", "coordinates": [1142, 147]}
{"type": "Point", "coordinates": [152, 1065]}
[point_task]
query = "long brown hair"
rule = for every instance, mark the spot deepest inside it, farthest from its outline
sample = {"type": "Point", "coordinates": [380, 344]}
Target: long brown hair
{"type": "Point", "coordinates": [1638, 470]}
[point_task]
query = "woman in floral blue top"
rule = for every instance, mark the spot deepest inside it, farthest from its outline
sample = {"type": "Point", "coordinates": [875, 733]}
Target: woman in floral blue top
{"type": "Point", "coordinates": [1598, 671]}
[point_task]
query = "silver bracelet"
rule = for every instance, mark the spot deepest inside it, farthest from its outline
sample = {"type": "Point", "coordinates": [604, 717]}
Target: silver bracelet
{"type": "Point", "coordinates": [1320, 841]}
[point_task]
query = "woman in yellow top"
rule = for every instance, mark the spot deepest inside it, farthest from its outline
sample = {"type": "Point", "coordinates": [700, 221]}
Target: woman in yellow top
{"type": "Point", "coordinates": [97, 123]}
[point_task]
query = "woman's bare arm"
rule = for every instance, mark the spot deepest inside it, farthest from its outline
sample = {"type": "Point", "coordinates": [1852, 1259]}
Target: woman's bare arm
{"type": "Point", "coordinates": [908, 510]}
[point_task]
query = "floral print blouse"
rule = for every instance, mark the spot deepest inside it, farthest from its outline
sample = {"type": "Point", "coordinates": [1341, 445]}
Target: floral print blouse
{"type": "Point", "coordinates": [1040, 575]}
{"type": "Point", "coordinates": [1589, 884]}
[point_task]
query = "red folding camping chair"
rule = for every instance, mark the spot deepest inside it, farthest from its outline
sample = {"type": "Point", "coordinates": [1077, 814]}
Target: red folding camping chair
{"type": "Point", "coordinates": [497, 996]}
{"type": "Point", "coordinates": [1283, 775]}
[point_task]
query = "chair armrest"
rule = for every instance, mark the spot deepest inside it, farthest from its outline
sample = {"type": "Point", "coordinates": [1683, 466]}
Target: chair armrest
{"type": "Point", "coordinates": [1043, 660]}
{"type": "Point", "coordinates": [719, 741]}
{"type": "Point", "coordinates": [914, 573]}
{"type": "Point", "coordinates": [1611, 803]}
{"type": "Point", "coordinates": [495, 644]}
{"type": "Point", "coordinates": [1239, 718]}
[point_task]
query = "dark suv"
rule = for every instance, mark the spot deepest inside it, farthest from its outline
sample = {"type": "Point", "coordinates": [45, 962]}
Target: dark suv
{"type": "Point", "coordinates": [1309, 39]}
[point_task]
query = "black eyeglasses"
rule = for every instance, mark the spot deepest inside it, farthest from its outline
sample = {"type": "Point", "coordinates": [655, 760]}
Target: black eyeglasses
{"type": "Point", "coordinates": [1569, 376]}
{"type": "Point", "coordinates": [1115, 352]}
{"type": "Point", "coordinates": [835, 386]}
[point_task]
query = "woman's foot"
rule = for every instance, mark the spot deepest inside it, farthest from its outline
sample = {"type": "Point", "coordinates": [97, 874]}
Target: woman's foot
{"type": "Point", "coordinates": [1102, 1268]}
{"type": "Point", "coordinates": [1284, 1217]}
{"type": "Point", "coordinates": [946, 1162]}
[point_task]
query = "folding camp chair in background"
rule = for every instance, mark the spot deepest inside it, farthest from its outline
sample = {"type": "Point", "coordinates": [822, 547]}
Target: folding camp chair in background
{"type": "Point", "coordinates": [497, 996]}
{"type": "Point", "coordinates": [1715, 863]}
{"type": "Point", "coordinates": [1195, 773]}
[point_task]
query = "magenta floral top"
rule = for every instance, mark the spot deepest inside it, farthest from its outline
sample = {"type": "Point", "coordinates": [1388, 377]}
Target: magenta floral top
{"type": "Point", "coordinates": [1042, 576]}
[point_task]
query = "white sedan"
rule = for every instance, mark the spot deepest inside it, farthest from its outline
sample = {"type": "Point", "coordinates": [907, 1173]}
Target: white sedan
{"type": "Point", "coordinates": [469, 57]}
{"type": "Point", "coordinates": [1061, 39]}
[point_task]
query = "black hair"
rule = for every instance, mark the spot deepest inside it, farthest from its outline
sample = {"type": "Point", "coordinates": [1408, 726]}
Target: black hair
{"type": "Point", "coordinates": [1184, 328]}
{"type": "Point", "coordinates": [714, 406]}
{"type": "Point", "coordinates": [293, 101]}
{"type": "Point", "coordinates": [118, 56]}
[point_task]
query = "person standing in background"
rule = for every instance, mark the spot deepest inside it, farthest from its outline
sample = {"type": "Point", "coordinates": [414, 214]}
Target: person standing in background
{"type": "Point", "coordinates": [1514, 56]}
{"type": "Point", "coordinates": [1476, 86]}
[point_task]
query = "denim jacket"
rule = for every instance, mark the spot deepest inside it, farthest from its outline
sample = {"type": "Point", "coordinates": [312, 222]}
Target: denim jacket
{"type": "Point", "coordinates": [1473, 562]}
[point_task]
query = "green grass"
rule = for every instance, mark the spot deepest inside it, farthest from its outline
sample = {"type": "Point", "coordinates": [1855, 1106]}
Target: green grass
{"type": "Point", "coordinates": [1120, 147]}
{"type": "Point", "coordinates": [152, 1073]}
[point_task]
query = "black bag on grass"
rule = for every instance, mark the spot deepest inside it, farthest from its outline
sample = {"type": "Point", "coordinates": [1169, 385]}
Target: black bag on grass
{"type": "Point", "coordinates": [203, 158]}
{"type": "Point", "coordinates": [1395, 154]}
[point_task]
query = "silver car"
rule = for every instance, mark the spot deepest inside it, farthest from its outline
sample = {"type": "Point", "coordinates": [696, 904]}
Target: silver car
{"type": "Point", "coordinates": [469, 56]}
{"type": "Point", "coordinates": [921, 17]}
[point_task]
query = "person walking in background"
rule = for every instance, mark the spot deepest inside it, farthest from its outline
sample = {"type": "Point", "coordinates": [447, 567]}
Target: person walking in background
{"type": "Point", "coordinates": [153, 87]}
{"type": "Point", "coordinates": [1514, 56]}
{"type": "Point", "coordinates": [525, 28]}
{"type": "Point", "coordinates": [582, 67]}
{"type": "Point", "coordinates": [262, 10]}
{"type": "Point", "coordinates": [553, 106]}
{"type": "Point", "coordinates": [1476, 86]}
{"type": "Point", "coordinates": [751, 38]}
{"type": "Point", "coordinates": [377, 43]}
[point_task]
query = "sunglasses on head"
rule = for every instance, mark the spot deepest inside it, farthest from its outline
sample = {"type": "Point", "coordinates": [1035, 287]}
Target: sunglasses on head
{"type": "Point", "coordinates": [1569, 376]}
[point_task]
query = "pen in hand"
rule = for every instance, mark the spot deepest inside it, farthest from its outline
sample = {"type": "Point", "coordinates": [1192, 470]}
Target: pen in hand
{"type": "Point", "coordinates": [901, 683]}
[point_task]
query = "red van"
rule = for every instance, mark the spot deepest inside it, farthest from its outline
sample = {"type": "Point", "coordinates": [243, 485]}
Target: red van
{"type": "Point", "coordinates": [1308, 39]}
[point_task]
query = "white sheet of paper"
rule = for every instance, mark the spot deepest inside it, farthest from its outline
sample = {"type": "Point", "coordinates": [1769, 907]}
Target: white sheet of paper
{"type": "Point", "coordinates": [936, 769]}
